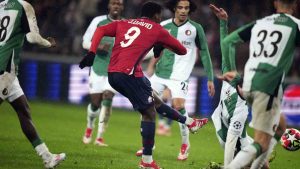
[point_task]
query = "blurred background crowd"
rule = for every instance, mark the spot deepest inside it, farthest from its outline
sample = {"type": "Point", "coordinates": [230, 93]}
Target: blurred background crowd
{"type": "Point", "coordinates": [68, 20]}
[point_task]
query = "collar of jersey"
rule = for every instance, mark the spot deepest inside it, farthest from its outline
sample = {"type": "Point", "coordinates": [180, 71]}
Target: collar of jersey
{"type": "Point", "coordinates": [180, 24]}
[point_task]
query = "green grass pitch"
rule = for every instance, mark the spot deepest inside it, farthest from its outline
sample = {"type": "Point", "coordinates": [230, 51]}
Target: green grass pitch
{"type": "Point", "coordinates": [61, 126]}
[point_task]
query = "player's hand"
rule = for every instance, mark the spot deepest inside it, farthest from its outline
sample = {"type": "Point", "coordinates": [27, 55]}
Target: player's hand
{"type": "Point", "coordinates": [211, 88]}
{"type": "Point", "coordinates": [228, 76]}
{"type": "Point", "coordinates": [104, 49]}
{"type": "Point", "coordinates": [87, 60]}
{"type": "Point", "coordinates": [52, 41]}
{"type": "Point", "coordinates": [219, 12]}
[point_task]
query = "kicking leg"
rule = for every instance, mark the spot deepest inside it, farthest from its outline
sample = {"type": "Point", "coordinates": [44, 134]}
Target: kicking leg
{"type": "Point", "coordinates": [193, 124]}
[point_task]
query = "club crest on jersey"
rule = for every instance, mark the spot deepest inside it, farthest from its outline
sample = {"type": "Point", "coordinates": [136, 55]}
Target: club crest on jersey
{"type": "Point", "coordinates": [188, 32]}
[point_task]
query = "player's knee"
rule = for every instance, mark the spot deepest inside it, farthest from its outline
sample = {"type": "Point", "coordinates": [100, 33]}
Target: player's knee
{"type": "Point", "coordinates": [148, 114]}
{"type": "Point", "coordinates": [95, 106]}
{"type": "Point", "coordinates": [108, 95]}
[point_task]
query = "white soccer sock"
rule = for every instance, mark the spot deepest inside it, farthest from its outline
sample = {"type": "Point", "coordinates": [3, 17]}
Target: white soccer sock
{"type": "Point", "coordinates": [184, 131]}
{"type": "Point", "coordinates": [243, 158]}
{"type": "Point", "coordinates": [43, 151]}
{"type": "Point", "coordinates": [189, 121]}
{"type": "Point", "coordinates": [147, 158]}
{"type": "Point", "coordinates": [262, 159]}
{"type": "Point", "coordinates": [103, 120]}
{"type": "Point", "coordinates": [91, 116]}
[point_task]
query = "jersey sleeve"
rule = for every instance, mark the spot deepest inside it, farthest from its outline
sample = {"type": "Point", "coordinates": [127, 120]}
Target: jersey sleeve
{"type": "Point", "coordinates": [168, 41]}
{"type": "Point", "coordinates": [101, 31]}
{"type": "Point", "coordinates": [88, 35]}
{"type": "Point", "coordinates": [29, 25]}
{"type": "Point", "coordinates": [223, 34]}
{"type": "Point", "coordinates": [243, 34]}
{"type": "Point", "coordinates": [201, 43]}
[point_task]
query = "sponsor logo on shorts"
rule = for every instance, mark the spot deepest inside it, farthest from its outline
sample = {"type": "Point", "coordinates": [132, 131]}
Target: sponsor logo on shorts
{"type": "Point", "coordinates": [5, 91]}
{"type": "Point", "coordinates": [237, 125]}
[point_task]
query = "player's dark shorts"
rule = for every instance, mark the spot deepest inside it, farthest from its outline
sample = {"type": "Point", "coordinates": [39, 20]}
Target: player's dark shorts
{"type": "Point", "coordinates": [137, 89]}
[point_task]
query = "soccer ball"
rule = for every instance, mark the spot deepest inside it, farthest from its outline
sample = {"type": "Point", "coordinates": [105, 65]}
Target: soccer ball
{"type": "Point", "coordinates": [290, 139]}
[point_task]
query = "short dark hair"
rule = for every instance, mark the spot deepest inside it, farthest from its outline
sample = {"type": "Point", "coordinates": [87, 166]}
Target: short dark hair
{"type": "Point", "coordinates": [171, 5]}
{"type": "Point", "coordinates": [149, 9]}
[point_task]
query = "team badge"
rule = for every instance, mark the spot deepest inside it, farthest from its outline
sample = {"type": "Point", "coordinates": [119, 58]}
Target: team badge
{"type": "Point", "coordinates": [188, 32]}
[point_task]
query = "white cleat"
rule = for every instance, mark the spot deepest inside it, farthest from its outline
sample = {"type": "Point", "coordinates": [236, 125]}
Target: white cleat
{"type": "Point", "coordinates": [100, 142]}
{"type": "Point", "coordinates": [86, 140]}
{"type": "Point", "coordinates": [197, 124]}
{"type": "Point", "coordinates": [54, 160]}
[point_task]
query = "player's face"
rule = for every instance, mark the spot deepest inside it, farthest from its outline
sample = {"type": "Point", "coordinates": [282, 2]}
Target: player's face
{"type": "Point", "coordinates": [115, 8]}
{"type": "Point", "coordinates": [182, 10]}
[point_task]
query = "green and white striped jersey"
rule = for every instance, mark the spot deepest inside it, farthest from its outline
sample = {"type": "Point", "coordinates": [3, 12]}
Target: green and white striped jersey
{"type": "Point", "coordinates": [179, 67]}
{"type": "Point", "coordinates": [17, 19]}
{"type": "Point", "coordinates": [12, 32]}
{"type": "Point", "coordinates": [272, 44]}
{"type": "Point", "coordinates": [101, 61]}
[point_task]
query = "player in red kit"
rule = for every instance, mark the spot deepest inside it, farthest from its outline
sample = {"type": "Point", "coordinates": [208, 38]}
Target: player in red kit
{"type": "Point", "coordinates": [133, 39]}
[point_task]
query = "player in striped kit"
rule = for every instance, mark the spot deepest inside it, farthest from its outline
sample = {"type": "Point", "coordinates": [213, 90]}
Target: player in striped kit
{"type": "Point", "coordinates": [230, 116]}
{"type": "Point", "coordinates": [17, 21]}
{"type": "Point", "coordinates": [272, 43]}
{"type": "Point", "coordinates": [101, 93]}
{"type": "Point", "coordinates": [173, 71]}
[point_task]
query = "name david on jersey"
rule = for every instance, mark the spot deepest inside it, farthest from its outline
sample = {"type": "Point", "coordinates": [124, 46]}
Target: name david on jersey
{"type": "Point", "coordinates": [141, 23]}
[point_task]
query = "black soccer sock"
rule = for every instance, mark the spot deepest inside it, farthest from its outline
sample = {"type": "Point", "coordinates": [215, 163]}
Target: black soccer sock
{"type": "Point", "coordinates": [148, 132]}
{"type": "Point", "coordinates": [170, 113]}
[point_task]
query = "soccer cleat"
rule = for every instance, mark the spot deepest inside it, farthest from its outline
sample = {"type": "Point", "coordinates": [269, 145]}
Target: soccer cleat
{"type": "Point", "coordinates": [100, 142]}
{"type": "Point", "coordinates": [87, 138]}
{"type": "Point", "coordinates": [152, 165]}
{"type": "Point", "coordinates": [197, 124]}
{"type": "Point", "coordinates": [54, 160]}
{"type": "Point", "coordinates": [184, 152]}
{"type": "Point", "coordinates": [140, 151]}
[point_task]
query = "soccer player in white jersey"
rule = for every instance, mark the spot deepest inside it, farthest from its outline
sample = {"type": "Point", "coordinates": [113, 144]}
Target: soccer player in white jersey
{"type": "Point", "coordinates": [173, 71]}
{"type": "Point", "coordinates": [230, 116]}
{"type": "Point", "coordinates": [17, 21]}
{"type": "Point", "coordinates": [101, 93]}
{"type": "Point", "coordinates": [273, 40]}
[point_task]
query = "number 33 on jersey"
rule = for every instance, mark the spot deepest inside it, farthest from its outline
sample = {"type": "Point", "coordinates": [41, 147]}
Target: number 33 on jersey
{"type": "Point", "coordinates": [272, 45]}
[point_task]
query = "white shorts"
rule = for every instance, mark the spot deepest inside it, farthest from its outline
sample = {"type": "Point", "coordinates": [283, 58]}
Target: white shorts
{"type": "Point", "coordinates": [12, 92]}
{"type": "Point", "coordinates": [179, 89]}
{"type": "Point", "coordinates": [265, 111]}
{"type": "Point", "coordinates": [98, 84]}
